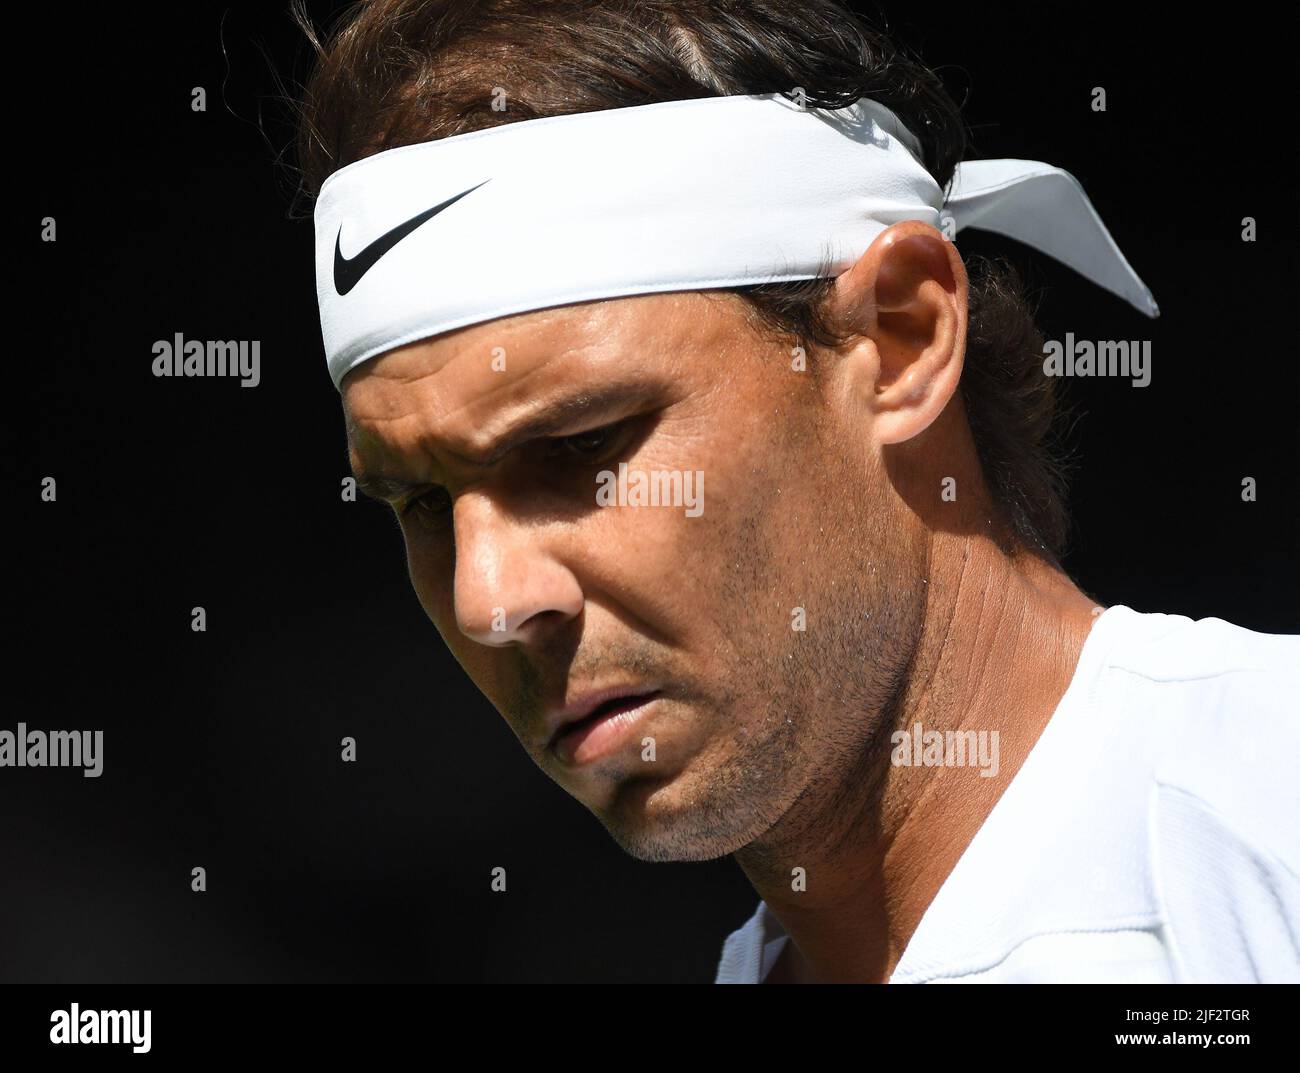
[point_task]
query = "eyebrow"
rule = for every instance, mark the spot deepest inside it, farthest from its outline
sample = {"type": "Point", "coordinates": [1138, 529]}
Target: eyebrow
{"type": "Point", "coordinates": [382, 487]}
{"type": "Point", "coordinates": [545, 420]}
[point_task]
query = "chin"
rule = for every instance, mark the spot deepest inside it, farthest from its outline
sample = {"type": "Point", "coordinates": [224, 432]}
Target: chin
{"type": "Point", "coordinates": [671, 820]}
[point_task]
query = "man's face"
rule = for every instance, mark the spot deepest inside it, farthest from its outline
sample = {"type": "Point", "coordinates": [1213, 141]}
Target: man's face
{"type": "Point", "coordinates": [772, 626]}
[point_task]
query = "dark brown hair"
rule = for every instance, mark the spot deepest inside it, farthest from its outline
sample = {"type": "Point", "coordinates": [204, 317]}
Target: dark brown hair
{"type": "Point", "coordinates": [398, 72]}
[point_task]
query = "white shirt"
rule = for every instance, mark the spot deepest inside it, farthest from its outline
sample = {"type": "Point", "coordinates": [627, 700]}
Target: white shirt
{"type": "Point", "coordinates": [1152, 835]}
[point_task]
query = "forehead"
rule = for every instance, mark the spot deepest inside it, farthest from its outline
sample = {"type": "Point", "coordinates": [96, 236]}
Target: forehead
{"type": "Point", "coordinates": [483, 375]}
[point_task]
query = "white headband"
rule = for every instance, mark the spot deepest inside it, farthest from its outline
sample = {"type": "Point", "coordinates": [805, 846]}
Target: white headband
{"type": "Point", "coordinates": [679, 195]}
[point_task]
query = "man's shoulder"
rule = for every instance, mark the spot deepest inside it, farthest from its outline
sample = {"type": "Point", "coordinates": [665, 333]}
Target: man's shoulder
{"type": "Point", "coordinates": [1223, 702]}
{"type": "Point", "coordinates": [1205, 680]}
{"type": "Point", "coordinates": [1176, 648]}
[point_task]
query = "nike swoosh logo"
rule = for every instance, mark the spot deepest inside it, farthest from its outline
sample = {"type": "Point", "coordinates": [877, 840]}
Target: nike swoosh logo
{"type": "Point", "coordinates": [349, 270]}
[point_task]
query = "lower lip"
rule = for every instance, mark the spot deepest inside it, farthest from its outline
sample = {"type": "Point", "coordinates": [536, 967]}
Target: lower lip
{"type": "Point", "coordinates": [594, 738]}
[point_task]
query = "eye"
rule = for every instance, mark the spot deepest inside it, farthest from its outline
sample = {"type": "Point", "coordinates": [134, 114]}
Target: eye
{"type": "Point", "coordinates": [587, 444]}
{"type": "Point", "coordinates": [429, 507]}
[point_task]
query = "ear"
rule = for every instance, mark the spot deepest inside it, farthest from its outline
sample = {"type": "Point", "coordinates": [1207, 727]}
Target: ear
{"type": "Point", "coordinates": [907, 296]}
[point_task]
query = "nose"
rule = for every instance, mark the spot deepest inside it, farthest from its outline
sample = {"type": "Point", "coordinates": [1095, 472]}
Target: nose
{"type": "Point", "coordinates": [508, 584]}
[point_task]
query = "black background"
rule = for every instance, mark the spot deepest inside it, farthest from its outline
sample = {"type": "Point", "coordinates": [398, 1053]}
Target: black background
{"type": "Point", "coordinates": [221, 748]}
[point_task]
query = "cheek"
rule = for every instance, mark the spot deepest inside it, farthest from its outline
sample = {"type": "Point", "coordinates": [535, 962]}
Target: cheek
{"type": "Point", "coordinates": [431, 570]}
{"type": "Point", "coordinates": [686, 577]}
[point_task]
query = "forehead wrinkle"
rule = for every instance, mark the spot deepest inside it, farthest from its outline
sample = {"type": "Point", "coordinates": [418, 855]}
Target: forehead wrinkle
{"type": "Point", "coordinates": [416, 425]}
{"type": "Point", "coordinates": [554, 336]}
{"type": "Point", "coordinates": [436, 435]}
{"type": "Point", "coordinates": [396, 389]}
{"type": "Point", "coordinates": [520, 397]}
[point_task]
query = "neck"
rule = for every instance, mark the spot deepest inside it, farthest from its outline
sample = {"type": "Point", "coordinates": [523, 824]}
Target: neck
{"type": "Point", "coordinates": [1000, 641]}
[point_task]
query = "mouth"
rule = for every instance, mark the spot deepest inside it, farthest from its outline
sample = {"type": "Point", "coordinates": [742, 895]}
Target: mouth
{"type": "Point", "coordinates": [598, 727]}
